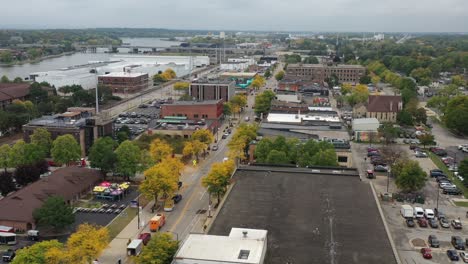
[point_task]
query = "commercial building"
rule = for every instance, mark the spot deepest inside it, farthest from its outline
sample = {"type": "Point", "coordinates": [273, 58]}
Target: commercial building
{"type": "Point", "coordinates": [320, 72]}
{"type": "Point", "coordinates": [125, 82]}
{"type": "Point", "coordinates": [182, 127]}
{"type": "Point", "coordinates": [196, 110]}
{"type": "Point", "coordinates": [70, 183]}
{"type": "Point", "coordinates": [365, 129]}
{"type": "Point", "coordinates": [212, 89]}
{"type": "Point", "coordinates": [384, 107]}
{"type": "Point", "coordinates": [13, 91]}
{"type": "Point", "coordinates": [242, 79]}
{"type": "Point", "coordinates": [80, 122]}
{"type": "Point", "coordinates": [243, 245]}
{"type": "Point", "coordinates": [312, 215]}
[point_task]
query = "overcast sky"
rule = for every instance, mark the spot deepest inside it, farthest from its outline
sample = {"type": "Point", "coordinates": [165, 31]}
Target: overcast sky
{"type": "Point", "coordinates": [271, 15]}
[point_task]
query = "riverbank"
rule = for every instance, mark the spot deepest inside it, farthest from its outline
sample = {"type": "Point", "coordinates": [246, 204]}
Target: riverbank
{"type": "Point", "coordinates": [37, 60]}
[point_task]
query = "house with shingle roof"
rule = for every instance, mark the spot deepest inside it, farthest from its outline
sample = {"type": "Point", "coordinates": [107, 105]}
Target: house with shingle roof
{"type": "Point", "coordinates": [384, 107]}
{"type": "Point", "coordinates": [70, 183]}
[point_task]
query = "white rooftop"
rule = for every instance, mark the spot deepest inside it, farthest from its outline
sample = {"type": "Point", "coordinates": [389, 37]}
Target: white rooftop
{"type": "Point", "coordinates": [298, 118]}
{"type": "Point", "coordinates": [225, 249]}
{"type": "Point", "coordinates": [361, 121]}
{"type": "Point", "coordinates": [123, 74]}
{"type": "Point", "coordinates": [292, 98]}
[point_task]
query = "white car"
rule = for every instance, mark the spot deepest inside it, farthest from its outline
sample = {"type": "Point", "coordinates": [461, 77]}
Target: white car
{"type": "Point", "coordinates": [460, 147]}
{"type": "Point", "coordinates": [464, 256]}
{"type": "Point", "coordinates": [465, 149]}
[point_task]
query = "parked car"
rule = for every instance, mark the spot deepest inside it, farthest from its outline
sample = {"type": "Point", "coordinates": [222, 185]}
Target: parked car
{"type": "Point", "coordinates": [452, 254]}
{"type": "Point", "coordinates": [439, 214]}
{"type": "Point", "coordinates": [410, 222]}
{"type": "Point", "coordinates": [8, 255]}
{"type": "Point", "coordinates": [177, 198]}
{"type": "Point", "coordinates": [433, 241]}
{"type": "Point", "coordinates": [426, 253]}
{"type": "Point", "coordinates": [214, 148]}
{"type": "Point", "coordinates": [433, 223]}
{"type": "Point", "coordinates": [146, 237]}
{"type": "Point", "coordinates": [373, 153]}
{"type": "Point", "coordinates": [225, 135]}
{"type": "Point", "coordinates": [422, 222]}
{"type": "Point", "coordinates": [444, 178]}
{"type": "Point", "coordinates": [435, 174]}
{"type": "Point", "coordinates": [372, 149]}
{"type": "Point", "coordinates": [452, 191]}
{"type": "Point", "coordinates": [457, 243]}
{"type": "Point", "coordinates": [456, 224]}
{"type": "Point", "coordinates": [444, 223]}
{"type": "Point", "coordinates": [464, 256]}
{"type": "Point", "coordinates": [381, 168]}
{"type": "Point", "coordinates": [421, 154]}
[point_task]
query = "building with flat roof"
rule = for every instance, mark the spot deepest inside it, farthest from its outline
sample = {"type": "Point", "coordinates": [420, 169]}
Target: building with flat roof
{"type": "Point", "coordinates": [313, 215]}
{"type": "Point", "coordinates": [320, 72]}
{"type": "Point", "coordinates": [70, 183]}
{"type": "Point", "coordinates": [366, 129]}
{"type": "Point", "coordinates": [182, 127]}
{"type": "Point", "coordinates": [125, 82]}
{"type": "Point", "coordinates": [197, 110]}
{"type": "Point", "coordinates": [80, 122]}
{"type": "Point", "coordinates": [242, 245]}
{"type": "Point", "coordinates": [212, 89]}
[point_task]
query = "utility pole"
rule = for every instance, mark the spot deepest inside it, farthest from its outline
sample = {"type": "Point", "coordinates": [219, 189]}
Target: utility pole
{"type": "Point", "coordinates": [97, 97]}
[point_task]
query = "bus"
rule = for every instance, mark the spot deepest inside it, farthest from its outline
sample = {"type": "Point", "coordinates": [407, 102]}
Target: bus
{"type": "Point", "coordinates": [7, 238]}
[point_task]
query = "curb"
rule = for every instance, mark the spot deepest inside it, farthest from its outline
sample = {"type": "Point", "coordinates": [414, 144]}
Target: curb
{"type": "Point", "coordinates": [390, 238]}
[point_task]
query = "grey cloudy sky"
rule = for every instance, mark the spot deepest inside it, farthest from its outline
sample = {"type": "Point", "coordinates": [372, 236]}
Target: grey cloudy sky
{"type": "Point", "coordinates": [274, 15]}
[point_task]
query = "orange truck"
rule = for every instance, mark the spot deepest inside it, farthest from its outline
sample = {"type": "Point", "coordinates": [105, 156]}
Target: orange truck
{"type": "Point", "coordinates": [157, 222]}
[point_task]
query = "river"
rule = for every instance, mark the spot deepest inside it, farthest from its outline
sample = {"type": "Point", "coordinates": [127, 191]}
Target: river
{"type": "Point", "coordinates": [24, 70]}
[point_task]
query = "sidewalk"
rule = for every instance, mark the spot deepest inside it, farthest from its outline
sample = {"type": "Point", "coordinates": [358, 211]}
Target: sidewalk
{"type": "Point", "coordinates": [117, 247]}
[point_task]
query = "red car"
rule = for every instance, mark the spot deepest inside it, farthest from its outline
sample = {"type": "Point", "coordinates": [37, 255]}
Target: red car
{"type": "Point", "coordinates": [145, 237]}
{"type": "Point", "coordinates": [426, 253]}
{"type": "Point", "coordinates": [422, 222]}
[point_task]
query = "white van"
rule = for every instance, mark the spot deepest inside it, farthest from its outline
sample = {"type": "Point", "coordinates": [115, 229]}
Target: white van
{"type": "Point", "coordinates": [418, 212]}
{"type": "Point", "coordinates": [134, 248]}
{"type": "Point", "coordinates": [429, 213]}
{"type": "Point", "coordinates": [407, 211]}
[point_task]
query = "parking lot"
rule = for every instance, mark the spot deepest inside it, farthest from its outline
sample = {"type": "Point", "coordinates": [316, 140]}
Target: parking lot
{"type": "Point", "coordinates": [108, 210]}
{"type": "Point", "coordinates": [409, 240]}
{"type": "Point", "coordinates": [138, 120]}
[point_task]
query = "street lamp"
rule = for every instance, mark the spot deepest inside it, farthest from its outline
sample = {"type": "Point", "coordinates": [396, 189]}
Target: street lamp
{"type": "Point", "coordinates": [209, 205]}
{"type": "Point", "coordinates": [138, 211]}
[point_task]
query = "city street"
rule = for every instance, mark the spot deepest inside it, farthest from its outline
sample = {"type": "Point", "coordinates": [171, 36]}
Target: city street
{"type": "Point", "coordinates": [189, 215]}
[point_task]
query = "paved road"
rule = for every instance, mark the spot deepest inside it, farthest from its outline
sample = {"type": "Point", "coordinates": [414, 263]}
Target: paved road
{"type": "Point", "coordinates": [190, 214]}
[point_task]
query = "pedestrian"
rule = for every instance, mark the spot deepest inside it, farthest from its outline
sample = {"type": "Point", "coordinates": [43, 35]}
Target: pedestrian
{"type": "Point", "coordinates": [129, 241]}
{"type": "Point", "coordinates": [365, 158]}
{"type": "Point", "coordinates": [204, 228]}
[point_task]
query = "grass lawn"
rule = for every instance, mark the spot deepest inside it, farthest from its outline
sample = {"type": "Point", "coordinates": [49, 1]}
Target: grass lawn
{"type": "Point", "coordinates": [121, 221]}
{"type": "Point", "coordinates": [462, 204]}
{"type": "Point", "coordinates": [438, 162]}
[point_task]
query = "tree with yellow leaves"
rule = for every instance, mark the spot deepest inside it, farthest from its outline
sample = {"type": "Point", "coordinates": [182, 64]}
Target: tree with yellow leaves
{"type": "Point", "coordinates": [258, 82]}
{"type": "Point", "coordinates": [162, 178]}
{"type": "Point", "coordinates": [159, 250]}
{"type": "Point", "coordinates": [237, 102]}
{"type": "Point", "coordinates": [44, 252]}
{"type": "Point", "coordinates": [218, 178]}
{"type": "Point", "coordinates": [87, 243]}
{"type": "Point", "coordinates": [193, 148]}
{"type": "Point", "coordinates": [204, 136]}
{"type": "Point", "coordinates": [181, 86]}
{"type": "Point", "coordinates": [244, 134]}
{"type": "Point", "coordinates": [160, 149]}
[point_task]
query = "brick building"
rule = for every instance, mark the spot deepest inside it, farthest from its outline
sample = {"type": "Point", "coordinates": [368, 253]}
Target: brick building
{"type": "Point", "coordinates": [207, 89]}
{"type": "Point", "coordinates": [81, 123]}
{"type": "Point", "coordinates": [384, 107]}
{"type": "Point", "coordinates": [320, 72]}
{"type": "Point", "coordinates": [196, 110]}
{"type": "Point", "coordinates": [125, 82]}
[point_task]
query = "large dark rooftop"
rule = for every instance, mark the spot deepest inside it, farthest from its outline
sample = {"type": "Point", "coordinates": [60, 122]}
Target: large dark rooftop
{"type": "Point", "coordinates": [311, 217]}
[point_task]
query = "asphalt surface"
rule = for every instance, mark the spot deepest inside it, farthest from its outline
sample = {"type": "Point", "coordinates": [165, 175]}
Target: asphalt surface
{"type": "Point", "coordinates": [309, 218]}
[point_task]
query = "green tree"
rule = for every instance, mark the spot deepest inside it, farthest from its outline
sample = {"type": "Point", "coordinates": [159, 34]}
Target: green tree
{"type": "Point", "coordinates": [42, 138]}
{"type": "Point", "coordinates": [388, 132]}
{"type": "Point", "coordinates": [426, 139]}
{"type": "Point", "coordinates": [6, 183]}
{"type": "Point", "coordinates": [262, 150]}
{"type": "Point", "coordinates": [410, 176]}
{"type": "Point", "coordinates": [420, 115]}
{"type": "Point", "coordinates": [279, 76]}
{"type": "Point", "coordinates": [404, 118]}
{"type": "Point", "coordinates": [267, 73]}
{"type": "Point", "coordinates": [227, 109]}
{"type": "Point", "coordinates": [456, 113]}
{"type": "Point", "coordinates": [25, 154]}
{"type": "Point", "coordinates": [311, 60]}
{"type": "Point", "coordinates": [463, 170]}
{"type": "Point", "coordinates": [277, 157]}
{"type": "Point", "coordinates": [263, 102]}
{"type": "Point", "coordinates": [6, 56]}
{"type": "Point", "coordinates": [366, 79]}
{"type": "Point", "coordinates": [37, 253]}
{"type": "Point", "coordinates": [65, 149]}
{"type": "Point", "coordinates": [102, 155]}
{"type": "Point", "coordinates": [160, 250]}
{"type": "Point", "coordinates": [128, 159]}
{"type": "Point", "coordinates": [458, 80]}
{"type": "Point", "coordinates": [4, 79]}
{"type": "Point", "coordinates": [54, 213]}
{"type": "Point", "coordinates": [325, 157]}
{"type": "Point", "coordinates": [5, 157]}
